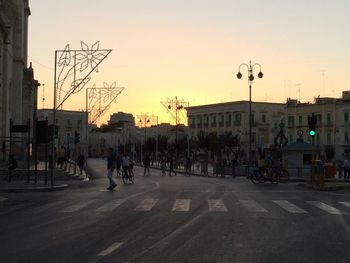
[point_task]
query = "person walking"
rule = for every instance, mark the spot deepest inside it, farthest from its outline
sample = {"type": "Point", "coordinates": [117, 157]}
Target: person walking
{"type": "Point", "coordinates": [110, 168]}
{"type": "Point", "coordinates": [81, 162]}
{"type": "Point", "coordinates": [188, 165]}
{"type": "Point", "coordinates": [346, 168]}
{"type": "Point", "coordinates": [163, 165]}
{"type": "Point", "coordinates": [146, 164]}
{"type": "Point", "coordinates": [171, 166]}
{"type": "Point", "coordinates": [119, 164]}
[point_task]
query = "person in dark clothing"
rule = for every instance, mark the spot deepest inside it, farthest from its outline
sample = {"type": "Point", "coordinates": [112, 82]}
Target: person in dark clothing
{"type": "Point", "coordinates": [146, 164]}
{"type": "Point", "coordinates": [171, 166]}
{"type": "Point", "coordinates": [81, 162]}
{"type": "Point", "coordinates": [119, 164]}
{"type": "Point", "coordinates": [110, 168]}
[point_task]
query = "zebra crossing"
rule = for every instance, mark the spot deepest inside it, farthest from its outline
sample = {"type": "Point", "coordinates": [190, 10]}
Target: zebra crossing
{"type": "Point", "coordinates": [186, 205]}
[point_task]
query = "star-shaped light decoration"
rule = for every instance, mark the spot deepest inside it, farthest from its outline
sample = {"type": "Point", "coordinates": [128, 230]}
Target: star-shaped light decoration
{"type": "Point", "coordinates": [89, 56]}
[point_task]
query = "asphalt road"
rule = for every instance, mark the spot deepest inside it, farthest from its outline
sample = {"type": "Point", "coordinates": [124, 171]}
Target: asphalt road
{"type": "Point", "coordinates": [175, 219]}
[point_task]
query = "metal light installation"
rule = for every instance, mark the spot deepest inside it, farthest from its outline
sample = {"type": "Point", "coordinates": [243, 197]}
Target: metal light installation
{"type": "Point", "coordinates": [72, 72]}
{"type": "Point", "coordinates": [99, 100]}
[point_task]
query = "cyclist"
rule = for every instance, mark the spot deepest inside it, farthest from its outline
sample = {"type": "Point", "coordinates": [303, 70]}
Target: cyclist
{"type": "Point", "coordinates": [125, 164]}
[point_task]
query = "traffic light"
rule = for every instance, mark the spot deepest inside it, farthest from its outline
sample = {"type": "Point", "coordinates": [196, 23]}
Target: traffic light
{"type": "Point", "coordinates": [312, 121]}
{"type": "Point", "coordinates": [76, 137]}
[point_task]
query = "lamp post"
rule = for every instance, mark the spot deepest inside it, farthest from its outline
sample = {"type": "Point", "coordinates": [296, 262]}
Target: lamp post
{"type": "Point", "coordinates": [143, 121]}
{"type": "Point", "coordinates": [250, 68]}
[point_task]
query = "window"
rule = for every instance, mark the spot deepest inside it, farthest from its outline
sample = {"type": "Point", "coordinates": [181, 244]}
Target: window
{"type": "Point", "coordinates": [199, 121]}
{"type": "Point", "coordinates": [290, 121]}
{"type": "Point", "coordinates": [300, 120]}
{"type": "Point", "coordinates": [69, 123]}
{"type": "Point", "coordinates": [346, 116]}
{"type": "Point", "coordinates": [238, 119]}
{"type": "Point", "coordinates": [346, 136]}
{"type": "Point", "coordinates": [192, 122]}
{"type": "Point", "coordinates": [329, 138]}
{"type": "Point", "coordinates": [221, 120]}
{"type": "Point", "coordinates": [213, 121]}
{"type": "Point", "coordinates": [206, 120]}
{"type": "Point", "coordinates": [263, 118]}
{"type": "Point", "coordinates": [329, 118]}
{"type": "Point", "coordinates": [319, 119]}
{"type": "Point", "coordinates": [253, 118]}
{"type": "Point", "coordinates": [228, 119]}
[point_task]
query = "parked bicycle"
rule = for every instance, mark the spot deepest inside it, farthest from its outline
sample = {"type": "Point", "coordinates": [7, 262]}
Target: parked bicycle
{"type": "Point", "coordinates": [258, 176]}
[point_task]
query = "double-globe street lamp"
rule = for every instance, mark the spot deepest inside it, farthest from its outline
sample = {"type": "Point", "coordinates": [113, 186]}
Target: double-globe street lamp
{"type": "Point", "coordinates": [250, 68]}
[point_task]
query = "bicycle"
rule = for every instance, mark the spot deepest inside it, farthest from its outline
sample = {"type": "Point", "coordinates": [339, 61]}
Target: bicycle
{"type": "Point", "coordinates": [128, 175]}
{"type": "Point", "coordinates": [258, 176]}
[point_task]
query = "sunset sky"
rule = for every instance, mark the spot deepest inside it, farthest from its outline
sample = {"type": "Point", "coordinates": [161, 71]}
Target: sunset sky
{"type": "Point", "coordinates": [192, 49]}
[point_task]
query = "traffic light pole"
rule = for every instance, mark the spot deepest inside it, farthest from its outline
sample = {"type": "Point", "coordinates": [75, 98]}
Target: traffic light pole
{"type": "Point", "coordinates": [312, 159]}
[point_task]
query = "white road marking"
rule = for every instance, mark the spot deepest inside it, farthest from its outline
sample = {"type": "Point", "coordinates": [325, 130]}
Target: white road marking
{"type": "Point", "coordinates": [110, 206]}
{"type": "Point", "coordinates": [182, 205]}
{"type": "Point", "coordinates": [345, 203]}
{"type": "Point", "coordinates": [110, 249]}
{"type": "Point", "coordinates": [253, 206]}
{"type": "Point", "coordinates": [291, 208]}
{"type": "Point", "coordinates": [216, 205]}
{"type": "Point", "coordinates": [327, 208]}
{"type": "Point", "coordinates": [74, 208]}
{"type": "Point", "coordinates": [146, 205]}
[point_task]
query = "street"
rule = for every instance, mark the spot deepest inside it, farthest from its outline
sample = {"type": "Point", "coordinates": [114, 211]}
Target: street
{"type": "Point", "coordinates": [175, 219]}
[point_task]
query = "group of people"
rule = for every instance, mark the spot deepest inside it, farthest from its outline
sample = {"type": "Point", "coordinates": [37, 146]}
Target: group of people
{"type": "Point", "coordinates": [119, 162]}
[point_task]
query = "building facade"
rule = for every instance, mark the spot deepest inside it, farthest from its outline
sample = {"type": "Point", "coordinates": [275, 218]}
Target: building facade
{"type": "Point", "coordinates": [18, 89]}
{"type": "Point", "coordinates": [234, 117]}
{"type": "Point", "coordinates": [333, 122]}
{"type": "Point", "coordinates": [68, 123]}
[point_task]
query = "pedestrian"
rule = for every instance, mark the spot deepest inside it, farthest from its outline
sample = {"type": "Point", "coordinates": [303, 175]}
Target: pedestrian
{"type": "Point", "coordinates": [163, 165]}
{"type": "Point", "coordinates": [171, 166]}
{"type": "Point", "coordinates": [188, 165]}
{"type": "Point", "coordinates": [340, 168]}
{"type": "Point", "coordinates": [118, 164]}
{"type": "Point", "coordinates": [146, 164]}
{"type": "Point", "coordinates": [66, 157]}
{"type": "Point", "coordinates": [60, 156]}
{"type": "Point", "coordinates": [346, 168]}
{"type": "Point", "coordinates": [110, 168]}
{"type": "Point", "coordinates": [81, 162]}
{"type": "Point", "coordinates": [234, 164]}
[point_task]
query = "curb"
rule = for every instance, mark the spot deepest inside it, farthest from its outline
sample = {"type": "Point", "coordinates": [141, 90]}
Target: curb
{"type": "Point", "coordinates": [325, 188]}
{"type": "Point", "coordinates": [34, 189]}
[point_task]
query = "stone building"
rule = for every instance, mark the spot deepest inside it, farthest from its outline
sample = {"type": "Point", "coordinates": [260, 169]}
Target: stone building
{"type": "Point", "coordinates": [234, 117]}
{"type": "Point", "coordinates": [18, 88]}
{"type": "Point", "coordinates": [333, 122]}
{"type": "Point", "coordinates": [68, 123]}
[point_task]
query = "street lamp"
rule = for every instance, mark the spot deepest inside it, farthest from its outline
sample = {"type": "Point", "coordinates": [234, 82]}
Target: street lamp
{"type": "Point", "coordinates": [143, 121]}
{"type": "Point", "coordinates": [250, 68]}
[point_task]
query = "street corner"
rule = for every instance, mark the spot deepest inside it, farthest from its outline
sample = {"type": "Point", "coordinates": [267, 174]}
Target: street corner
{"type": "Point", "coordinates": [20, 187]}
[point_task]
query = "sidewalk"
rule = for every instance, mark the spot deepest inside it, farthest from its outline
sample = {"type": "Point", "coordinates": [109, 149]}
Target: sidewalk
{"type": "Point", "coordinates": [19, 180]}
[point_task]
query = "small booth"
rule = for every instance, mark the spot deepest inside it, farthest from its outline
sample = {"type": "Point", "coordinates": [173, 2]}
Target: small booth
{"type": "Point", "coordinates": [297, 158]}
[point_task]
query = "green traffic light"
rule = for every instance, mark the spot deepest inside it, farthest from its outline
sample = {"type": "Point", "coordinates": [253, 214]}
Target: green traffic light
{"type": "Point", "coordinates": [312, 133]}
